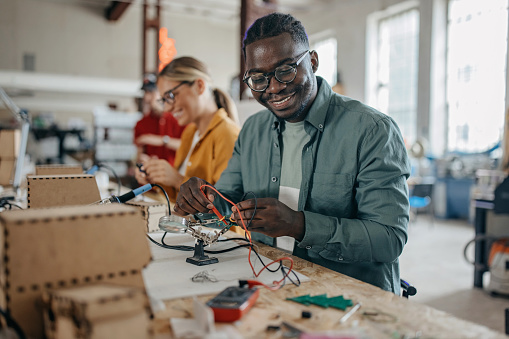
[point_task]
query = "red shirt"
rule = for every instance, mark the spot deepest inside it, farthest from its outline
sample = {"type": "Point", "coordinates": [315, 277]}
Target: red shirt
{"type": "Point", "coordinates": [164, 125]}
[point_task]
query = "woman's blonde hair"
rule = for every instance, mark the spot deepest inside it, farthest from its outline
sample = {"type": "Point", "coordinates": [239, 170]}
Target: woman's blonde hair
{"type": "Point", "coordinates": [189, 69]}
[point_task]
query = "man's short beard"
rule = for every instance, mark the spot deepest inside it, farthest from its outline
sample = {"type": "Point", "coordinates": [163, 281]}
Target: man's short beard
{"type": "Point", "coordinates": [301, 112]}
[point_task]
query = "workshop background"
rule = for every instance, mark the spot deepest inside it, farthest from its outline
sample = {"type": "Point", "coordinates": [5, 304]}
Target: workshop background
{"type": "Point", "coordinates": [438, 67]}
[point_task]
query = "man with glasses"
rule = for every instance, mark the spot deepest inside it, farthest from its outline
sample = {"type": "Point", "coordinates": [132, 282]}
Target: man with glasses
{"type": "Point", "coordinates": [157, 134]}
{"type": "Point", "coordinates": [328, 172]}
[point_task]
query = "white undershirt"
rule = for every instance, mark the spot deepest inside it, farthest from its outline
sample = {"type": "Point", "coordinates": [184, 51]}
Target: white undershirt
{"type": "Point", "coordinates": [183, 167]}
{"type": "Point", "coordinates": [294, 138]}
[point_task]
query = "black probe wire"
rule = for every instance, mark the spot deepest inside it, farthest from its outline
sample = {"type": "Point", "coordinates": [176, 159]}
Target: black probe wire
{"type": "Point", "coordinates": [247, 227]}
{"type": "Point", "coordinates": [248, 244]}
{"type": "Point", "coordinates": [178, 248]}
{"type": "Point", "coordinates": [183, 247]}
{"type": "Point", "coordinates": [165, 195]}
{"type": "Point", "coordinates": [281, 266]}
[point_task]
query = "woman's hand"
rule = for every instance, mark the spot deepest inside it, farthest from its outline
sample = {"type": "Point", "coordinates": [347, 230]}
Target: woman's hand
{"type": "Point", "coordinates": [149, 139]}
{"type": "Point", "coordinates": [159, 171]}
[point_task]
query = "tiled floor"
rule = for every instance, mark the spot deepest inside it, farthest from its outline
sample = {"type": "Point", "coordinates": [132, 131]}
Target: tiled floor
{"type": "Point", "coordinates": [433, 261]}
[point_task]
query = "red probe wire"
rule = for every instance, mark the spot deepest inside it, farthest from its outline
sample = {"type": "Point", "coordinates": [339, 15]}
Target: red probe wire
{"type": "Point", "coordinates": [277, 284]}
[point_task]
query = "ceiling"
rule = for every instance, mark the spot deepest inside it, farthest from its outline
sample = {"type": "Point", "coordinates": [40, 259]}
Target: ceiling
{"type": "Point", "coordinates": [218, 9]}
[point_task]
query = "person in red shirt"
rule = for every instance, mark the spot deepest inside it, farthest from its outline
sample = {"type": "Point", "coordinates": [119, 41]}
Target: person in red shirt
{"type": "Point", "coordinates": [157, 134]}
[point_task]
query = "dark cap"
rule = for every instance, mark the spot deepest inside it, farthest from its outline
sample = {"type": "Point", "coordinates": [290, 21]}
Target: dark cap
{"type": "Point", "coordinates": [149, 82]}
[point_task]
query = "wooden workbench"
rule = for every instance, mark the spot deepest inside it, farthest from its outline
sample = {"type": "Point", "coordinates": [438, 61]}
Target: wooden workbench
{"type": "Point", "coordinates": [407, 319]}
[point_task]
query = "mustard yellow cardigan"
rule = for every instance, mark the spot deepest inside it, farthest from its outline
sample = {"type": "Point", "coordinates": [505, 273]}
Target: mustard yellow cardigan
{"type": "Point", "coordinates": [211, 154]}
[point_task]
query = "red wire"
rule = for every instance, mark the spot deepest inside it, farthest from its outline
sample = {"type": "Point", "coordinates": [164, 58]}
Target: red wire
{"type": "Point", "coordinates": [277, 284]}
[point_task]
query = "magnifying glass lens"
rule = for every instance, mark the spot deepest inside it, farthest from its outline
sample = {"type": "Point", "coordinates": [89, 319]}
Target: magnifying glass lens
{"type": "Point", "coordinates": [173, 224]}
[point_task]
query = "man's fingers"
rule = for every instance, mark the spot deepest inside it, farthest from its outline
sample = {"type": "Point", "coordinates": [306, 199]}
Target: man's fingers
{"type": "Point", "coordinates": [203, 195]}
{"type": "Point", "coordinates": [179, 211]}
{"type": "Point", "coordinates": [182, 207]}
{"type": "Point", "coordinates": [246, 216]}
{"type": "Point", "coordinates": [192, 199]}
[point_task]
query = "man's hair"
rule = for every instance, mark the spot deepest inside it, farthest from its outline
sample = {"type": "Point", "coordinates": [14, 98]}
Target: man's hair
{"type": "Point", "coordinates": [273, 25]}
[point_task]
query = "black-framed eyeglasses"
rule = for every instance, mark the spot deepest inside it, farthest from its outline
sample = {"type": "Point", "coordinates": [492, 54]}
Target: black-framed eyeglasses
{"type": "Point", "coordinates": [285, 74]}
{"type": "Point", "coordinates": [169, 96]}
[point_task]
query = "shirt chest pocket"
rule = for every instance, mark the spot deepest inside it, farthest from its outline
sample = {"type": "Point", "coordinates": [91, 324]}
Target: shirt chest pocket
{"type": "Point", "coordinates": [331, 194]}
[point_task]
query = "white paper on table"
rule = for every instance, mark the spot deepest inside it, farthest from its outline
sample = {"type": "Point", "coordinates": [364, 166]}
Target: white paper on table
{"type": "Point", "coordinates": [168, 276]}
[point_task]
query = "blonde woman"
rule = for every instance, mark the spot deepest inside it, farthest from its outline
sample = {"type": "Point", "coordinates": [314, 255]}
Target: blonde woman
{"type": "Point", "coordinates": [207, 142]}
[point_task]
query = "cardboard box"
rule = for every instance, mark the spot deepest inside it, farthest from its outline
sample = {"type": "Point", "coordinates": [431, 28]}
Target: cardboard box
{"type": "Point", "coordinates": [67, 247]}
{"type": "Point", "coordinates": [58, 169]}
{"type": "Point", "coordinates": [7, 168]}
{"type": "Point", "coordinates": [96, 312]}
{"type": "Point", "coordinates": [9, 140]}
{"type": "Point", "coordinates": [151, 213]}
{"type": "Point", "coordinates": [61, 190]}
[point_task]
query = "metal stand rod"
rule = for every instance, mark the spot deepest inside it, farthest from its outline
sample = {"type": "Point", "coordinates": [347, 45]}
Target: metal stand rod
{"type": "Point", "coordinates": [200, 258]}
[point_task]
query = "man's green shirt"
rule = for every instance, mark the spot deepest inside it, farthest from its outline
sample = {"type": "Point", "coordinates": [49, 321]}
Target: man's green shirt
{"type": "Point", "coordinates": [353, 192]}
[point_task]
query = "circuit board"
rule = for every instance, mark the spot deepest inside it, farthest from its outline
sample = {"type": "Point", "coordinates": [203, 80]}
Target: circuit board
{"type": "Point", "coordinates": [211, 220]}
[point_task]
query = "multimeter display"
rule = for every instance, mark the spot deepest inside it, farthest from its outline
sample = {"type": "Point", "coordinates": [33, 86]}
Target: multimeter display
{"type": "Point", "coordinates": [232, 303]}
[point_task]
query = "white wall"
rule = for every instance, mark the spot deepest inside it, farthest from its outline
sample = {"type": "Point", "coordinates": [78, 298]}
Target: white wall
{"type": "Point", "coordinates": [348, 22]}
{"type": "Point", "coordinates": [75, 39]}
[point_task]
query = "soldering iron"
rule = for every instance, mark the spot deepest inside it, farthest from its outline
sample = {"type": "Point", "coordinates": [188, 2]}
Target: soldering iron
{"type": "Point", "coordinates": [125, 197]}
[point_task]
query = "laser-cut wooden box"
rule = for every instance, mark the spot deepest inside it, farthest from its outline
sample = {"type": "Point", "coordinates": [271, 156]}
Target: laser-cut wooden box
{"type": "Point", "coordinates": [63, 247]}
{"type": "Point", "coordinates": [151, 211]}
{"type": "Point", "coordinates": [97, 312]}
{"type": "Point", "coordinates": [58, 169]}
{"type": "Point", "coordinates": [61, 190]}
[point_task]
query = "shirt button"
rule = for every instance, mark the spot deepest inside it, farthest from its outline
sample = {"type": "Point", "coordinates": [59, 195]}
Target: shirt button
{"type": "Point", "coordinates": [276, 145]}
{"type": "Point", "coordinates": [320, 126]}
{"type": "Point", "coordinates": [340, 258]}
{"type": "Point", "coordinates": [308, 247]}
{"type": "Point", "coordinates": [274, 179]}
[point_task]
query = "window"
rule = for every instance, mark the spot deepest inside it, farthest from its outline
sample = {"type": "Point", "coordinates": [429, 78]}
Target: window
{"type": "Point", "coordinates": [476, 73]}
{"type": "Point", "coordinates": [327, 50]}
{"type": "Point", "coordinates": [393, 78]}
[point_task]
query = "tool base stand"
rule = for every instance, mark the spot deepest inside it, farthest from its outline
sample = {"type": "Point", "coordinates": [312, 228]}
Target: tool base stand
{"type": "Point", "coordinates": [200, 258]}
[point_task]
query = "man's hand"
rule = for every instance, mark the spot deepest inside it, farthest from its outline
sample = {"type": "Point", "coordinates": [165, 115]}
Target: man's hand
{"type": "Point", "coordinates": [191, 200]}
{"type": "Point", "coordinates": [272, 218]}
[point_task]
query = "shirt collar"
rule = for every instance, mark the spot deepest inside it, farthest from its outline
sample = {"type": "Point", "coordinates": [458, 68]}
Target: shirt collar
{"type": "Point", "coordinates": [318, 110]}
{"type": "Point", "coordinates": [219, 116]}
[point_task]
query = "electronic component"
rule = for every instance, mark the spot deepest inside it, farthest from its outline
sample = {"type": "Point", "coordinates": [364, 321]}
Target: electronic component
{"type": "Point", "coordinates": [211, 220]}
{"type": "Point", "coordinates": [232, 303]}
{"type": "Point", "coordinates": [306, 314]}
{"type": "Point", "coordinates": [140, 165]}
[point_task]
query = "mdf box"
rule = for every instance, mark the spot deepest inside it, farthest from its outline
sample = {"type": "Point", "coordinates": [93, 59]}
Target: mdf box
{"type": "Point", "coordinates": [62, 247]}
{"type": "Point", "coordinates": [9, 149]}
{"type": "Point", "coordinates": [97, 312]}
{"type": "Point", "coordinates": [10, 140]}
{"type": "Point", "coordinates": [61, 190]}
{"type": "Point", "coordinates": [7, 168]}
{"type": "Point", "coordinates": [58, 169]}
{"type": "Point", "coordinates": [151, 212]}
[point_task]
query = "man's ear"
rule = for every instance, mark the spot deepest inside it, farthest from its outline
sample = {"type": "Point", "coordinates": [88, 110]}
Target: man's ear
{"type": "Point", "coordinates": [314, 61]}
